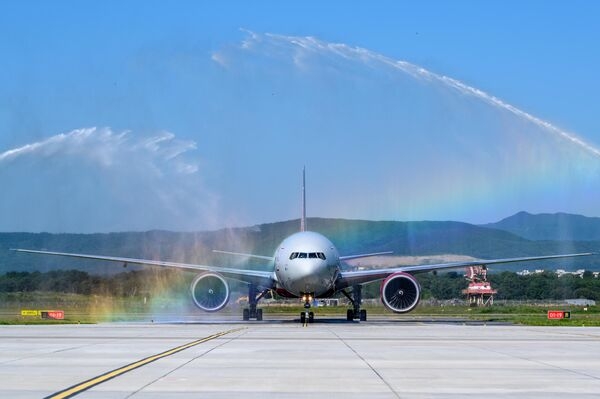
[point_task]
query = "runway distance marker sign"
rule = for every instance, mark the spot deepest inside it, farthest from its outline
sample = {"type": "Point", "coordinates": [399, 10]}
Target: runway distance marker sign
{"type": "Point", "coordinates": [44, 314]}
{"type": "Point", "coordinates": [28, 312]}
{"type": "Point", "coordinates": [53, 314]}
{"type": "Point", "coordinates": [558, 315]}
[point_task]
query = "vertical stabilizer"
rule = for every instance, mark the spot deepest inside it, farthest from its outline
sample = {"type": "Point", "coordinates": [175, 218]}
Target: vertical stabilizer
{"type": "Point", "coordinates": [303, 219]}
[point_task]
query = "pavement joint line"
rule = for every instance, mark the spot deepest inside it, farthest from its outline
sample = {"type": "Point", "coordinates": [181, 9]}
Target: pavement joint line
{"type": "Point", "coordinates": [570, 333]}
{"type": "Point", "coordinates": [183, 365]}
{"type": "Point", "coordinates": [46, 353]}
{"type": "Point", "coordinates": [580, 373]}
{"type": "Point", "coordinates": [85, 385]}
{"type": "Point", "coordinates": [368, 364]}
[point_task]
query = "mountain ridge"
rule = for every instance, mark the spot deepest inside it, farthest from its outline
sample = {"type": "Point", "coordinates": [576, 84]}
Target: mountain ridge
{"type": "Point", "coordinates": [418, 238]}
{"type": "Point", "coordinates": [550, 226]}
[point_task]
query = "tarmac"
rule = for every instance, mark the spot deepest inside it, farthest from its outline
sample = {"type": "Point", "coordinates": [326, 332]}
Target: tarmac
{"type": "Point", "coordinates": [283, 359]}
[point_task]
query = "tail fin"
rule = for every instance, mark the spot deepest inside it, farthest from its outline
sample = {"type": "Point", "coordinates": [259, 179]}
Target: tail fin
{"type": "Point", "coordinates": [303, 220]}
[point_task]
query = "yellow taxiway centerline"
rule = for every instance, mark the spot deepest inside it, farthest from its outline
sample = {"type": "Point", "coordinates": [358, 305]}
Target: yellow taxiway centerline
{"type": "Point", "coordinates": [76, 389]}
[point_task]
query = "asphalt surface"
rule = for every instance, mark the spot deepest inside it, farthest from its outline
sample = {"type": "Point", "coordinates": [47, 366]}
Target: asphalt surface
{"type": "Point", "coordinates": [283, 359]}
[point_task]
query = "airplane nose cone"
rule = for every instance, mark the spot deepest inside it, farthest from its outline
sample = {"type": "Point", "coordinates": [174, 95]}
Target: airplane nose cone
{"type": "Point", "coordinates": [308, 275]}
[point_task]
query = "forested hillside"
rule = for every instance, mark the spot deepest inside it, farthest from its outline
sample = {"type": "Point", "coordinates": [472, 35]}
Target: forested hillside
{"type": "Point", "coordinates": [350, 237]}
{"type": "Point", "coordinates": [149, 283]}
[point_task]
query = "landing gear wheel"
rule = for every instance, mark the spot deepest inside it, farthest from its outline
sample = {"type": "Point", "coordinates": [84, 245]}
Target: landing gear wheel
{"type": "Point", "coordinates": [302, 318]}
{"type": "Point", "coordinates": [246, 314]}
{"type": "Point", "coordinates": [259, 315]}
{"type": "Point", "coordinates": [311, 317]}
{"type": "Point", "coordinates": [350, 315]}
{"type": "Point", "coordinates": [363, 315]}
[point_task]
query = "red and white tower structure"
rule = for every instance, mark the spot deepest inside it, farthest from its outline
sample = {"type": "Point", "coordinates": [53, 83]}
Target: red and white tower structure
{"type": "Point", "coordinates": [479, 292]}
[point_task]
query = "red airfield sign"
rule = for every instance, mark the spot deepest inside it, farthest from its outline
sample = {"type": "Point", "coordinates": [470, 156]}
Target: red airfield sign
{"type": "Point", "coordinates": [558, 314]}
{"type": "Point", "coordinates": [53, 314]}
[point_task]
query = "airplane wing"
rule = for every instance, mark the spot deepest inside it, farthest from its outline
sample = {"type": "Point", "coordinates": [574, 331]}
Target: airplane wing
{"type": "Point", "coordinates": [261, 278]}
{"type": "Point", "coordinates": [269, 258]}
{"type": "Point", "coordinates": [348, 257]}
{"type": "Point", "coordinates": [348, 278]}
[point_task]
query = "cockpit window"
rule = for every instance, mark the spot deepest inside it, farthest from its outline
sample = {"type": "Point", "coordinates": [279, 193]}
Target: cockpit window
{"type": "Point", "coordinates": [310, 255]}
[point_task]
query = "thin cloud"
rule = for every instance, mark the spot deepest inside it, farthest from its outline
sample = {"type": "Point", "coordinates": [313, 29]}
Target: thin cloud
{"type": "Point", "coordinates": [220, 59]}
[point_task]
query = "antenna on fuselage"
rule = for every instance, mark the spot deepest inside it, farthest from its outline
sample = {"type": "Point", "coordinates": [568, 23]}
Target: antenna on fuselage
{"type": "Point", "coordinates": [303, 219]}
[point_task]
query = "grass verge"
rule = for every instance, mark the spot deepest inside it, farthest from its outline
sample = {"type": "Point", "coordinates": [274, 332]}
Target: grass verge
{"type": "Point", "coordinates": [85, 309]}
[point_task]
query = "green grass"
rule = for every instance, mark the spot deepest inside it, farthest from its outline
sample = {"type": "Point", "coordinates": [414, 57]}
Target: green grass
{"type": "Point", "coordinates": [93, 309]}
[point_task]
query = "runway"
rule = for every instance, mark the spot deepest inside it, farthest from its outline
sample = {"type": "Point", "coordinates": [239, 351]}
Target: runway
{"type": "Point", "coordinates": [285, 360]}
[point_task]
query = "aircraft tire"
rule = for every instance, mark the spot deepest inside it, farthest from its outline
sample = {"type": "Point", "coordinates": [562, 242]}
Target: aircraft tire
{"type": "Point", "coordinates": [363, 315]}
{"type": "Point", "coordinates": [302, 317]}
{"type": "Point", "coordinates": [258, 314]}
{"type": "Point", "coordinates": [350, 315]}
{"type": "Point", "coordinates": [246, 314]}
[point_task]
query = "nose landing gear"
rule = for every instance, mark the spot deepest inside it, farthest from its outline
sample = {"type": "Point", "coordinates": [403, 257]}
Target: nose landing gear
{"type": "Point", "coordinates": [307, 315]}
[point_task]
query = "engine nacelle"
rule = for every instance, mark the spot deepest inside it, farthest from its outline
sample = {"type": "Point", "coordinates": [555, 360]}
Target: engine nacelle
{"type": "Point", "coordinates": [210, 292]}
{"type": "Point", "coordinates": [400, 292]}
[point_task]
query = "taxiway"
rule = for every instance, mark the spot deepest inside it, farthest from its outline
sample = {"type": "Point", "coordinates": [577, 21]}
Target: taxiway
{"type": "Point", "coordinates": [286, 360]}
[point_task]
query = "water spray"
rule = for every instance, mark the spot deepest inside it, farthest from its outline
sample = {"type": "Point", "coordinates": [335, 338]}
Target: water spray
{"type": "Point", "coordinates": [311, 44]}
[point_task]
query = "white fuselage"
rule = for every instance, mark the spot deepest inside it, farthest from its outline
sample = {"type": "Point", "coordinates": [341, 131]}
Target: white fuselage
{"type": "Point", "coordinates": [306, 263]}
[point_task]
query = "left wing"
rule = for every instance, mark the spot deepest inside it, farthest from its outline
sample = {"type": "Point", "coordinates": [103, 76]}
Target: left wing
{"type": "Point", "coordinates": [348, 278]}
{"type": "Point", "coordinates": [262, 278]}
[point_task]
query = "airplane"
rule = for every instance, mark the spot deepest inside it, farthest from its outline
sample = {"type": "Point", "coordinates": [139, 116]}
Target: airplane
{"type": "Point", "coordinates": [305, 265]}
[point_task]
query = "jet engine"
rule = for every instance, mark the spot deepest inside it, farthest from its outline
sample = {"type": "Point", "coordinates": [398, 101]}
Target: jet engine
{"type": "Point", "coordinates": [400, 292]}
{"type": "Point", "coordinates": [210, 292]}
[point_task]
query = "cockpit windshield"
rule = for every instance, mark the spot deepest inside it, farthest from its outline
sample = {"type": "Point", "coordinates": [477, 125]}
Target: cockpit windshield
{"type": "Point", "coordinates": [310, 255]}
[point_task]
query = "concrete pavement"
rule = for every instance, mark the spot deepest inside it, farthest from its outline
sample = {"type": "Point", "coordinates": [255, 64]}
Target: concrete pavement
{"type": "Point", "coordinates": [285, 360]}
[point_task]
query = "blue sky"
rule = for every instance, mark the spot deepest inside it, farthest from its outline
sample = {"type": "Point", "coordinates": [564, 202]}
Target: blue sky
{"type": "Point", "coordinates": [199, 115]}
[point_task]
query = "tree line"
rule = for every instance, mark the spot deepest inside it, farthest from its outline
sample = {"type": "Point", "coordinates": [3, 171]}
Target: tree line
{"type": "Point", "coordinates": [510, 285]}
{"type": "Point", "coordinates": [149, 282]}
{"type": "Point", "coordinates": [130, 283]}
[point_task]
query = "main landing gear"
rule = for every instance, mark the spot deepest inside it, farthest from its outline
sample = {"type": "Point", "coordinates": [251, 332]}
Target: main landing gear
{"type": "Point", "coordinates": [307, 315]}
{"type": "Point", "coordinates": [253, 297]}
{"type": "Point", "coordinates": [356, 312]}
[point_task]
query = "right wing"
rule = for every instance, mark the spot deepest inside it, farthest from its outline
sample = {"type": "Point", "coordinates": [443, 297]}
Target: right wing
{"type": "Point", "coordinates": [269, 258]}
{"type": "Point", "coordinates": [261, 278]}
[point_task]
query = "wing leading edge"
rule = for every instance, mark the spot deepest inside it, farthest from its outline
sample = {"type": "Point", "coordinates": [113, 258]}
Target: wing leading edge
{"type": "Point", "coordinates": [261, 278]}
{"type": "Point", "coordinates": [349, 278]}
{"type": "Point", "coordinates": [348, 257]}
